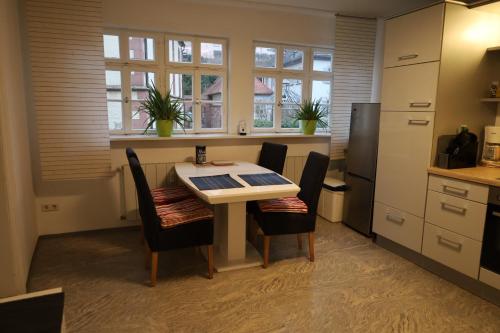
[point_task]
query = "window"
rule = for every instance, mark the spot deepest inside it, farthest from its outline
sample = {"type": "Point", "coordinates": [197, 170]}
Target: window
{"type": "Point", "coordinates": [298, 73]}
{"type": "Point", "coordinates": [194, 69]}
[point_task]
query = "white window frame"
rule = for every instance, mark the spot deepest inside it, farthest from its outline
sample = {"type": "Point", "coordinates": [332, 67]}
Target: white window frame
{"type": "Point", "coordinates": [307, 75]}
{"type": "Point", "coordinates": [162, 68]}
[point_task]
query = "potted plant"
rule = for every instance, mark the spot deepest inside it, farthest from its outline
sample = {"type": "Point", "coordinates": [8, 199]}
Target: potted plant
{"type": "Point", "coordinates": [164, 111]}
{"type": "Point", "coordinates": [311, 114]}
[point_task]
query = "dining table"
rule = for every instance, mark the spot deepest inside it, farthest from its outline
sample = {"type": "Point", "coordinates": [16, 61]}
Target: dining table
{"type": "Point", "coordinates": [232, 250]}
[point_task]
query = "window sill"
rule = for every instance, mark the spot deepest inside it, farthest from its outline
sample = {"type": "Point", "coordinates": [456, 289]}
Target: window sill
{"type": "Point", "coordinates": [219, 136]}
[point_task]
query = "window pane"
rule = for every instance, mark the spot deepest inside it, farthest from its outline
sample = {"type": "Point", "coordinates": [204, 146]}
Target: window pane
{"type": "Point", "coordinates": [180, 51]}
{"type": "Point", "coordinates": [293, 59]}
{"type": "Point", "coordinates": [288, 112]}
{"type": "Point", "coordinates": [291, 91]}
{"type": "Point", "coordinates": [211, 115]}
{"type": "Point", "coordinates": [264, 89]}
{"type": "Point", "coordinates": [181, 86]}
{"type": "Point", "coordinates": [114, 97]}
{"type": "Point", "coordinates": [211, 53]}
{"type": "Point", "coordinates": [321, 91]}
{"type": "Point", "coordinates": [111, 46]}
{"type": "Point", "coordinates": [211, 87]}
{"type": "Point", "coordinates": [139, 82]}
{"type": "Point", "coordinates": [291, 97]}
{"type": "Point", "coordinates": [263, 115]}
{"type": "Point", "coordinates": [265, 57]}
{"type": "Point", "coordinates": [141, 48]}
{"type": "Point", "coordinates": [322, 61]}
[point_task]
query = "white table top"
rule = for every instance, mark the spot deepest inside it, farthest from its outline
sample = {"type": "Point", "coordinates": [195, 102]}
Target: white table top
{"type": "Point", "coordinates": [241, 194]}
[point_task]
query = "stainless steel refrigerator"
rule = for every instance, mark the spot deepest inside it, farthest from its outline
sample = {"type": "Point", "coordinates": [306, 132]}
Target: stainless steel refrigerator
{"type": "Point", "coordinates": [361, 167]}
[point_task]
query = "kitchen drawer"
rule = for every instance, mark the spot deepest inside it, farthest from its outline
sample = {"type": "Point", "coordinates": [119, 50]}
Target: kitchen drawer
{"type": "Point", "coordinates": [404, 153]}
{"type": "Point", "coordinates": [462, 216]}
{"type": "Point", "coordinates": [398, 226]}
{"type": "Point", "coordinates": [414, 38]}
{"type": "Point", "coordinates": [459, 188]}
{"type": "Point", "coordinates": [410, 88]}
{"type": "Point", "coordinates": [451, 249]}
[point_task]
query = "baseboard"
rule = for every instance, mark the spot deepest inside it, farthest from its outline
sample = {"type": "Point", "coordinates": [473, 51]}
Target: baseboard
{"type": "Point", "coordinates": [474, 286]}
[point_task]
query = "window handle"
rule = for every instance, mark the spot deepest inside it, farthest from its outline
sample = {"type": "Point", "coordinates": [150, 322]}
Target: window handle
{"type": "Point", "coordinates": [197, 102]}
{"type": "Point", "coordinates": [280, 104]}
{"type": "Point", "coordinates": [126, 100]}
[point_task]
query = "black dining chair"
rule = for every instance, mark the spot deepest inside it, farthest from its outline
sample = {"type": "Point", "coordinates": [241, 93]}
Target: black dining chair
{"type": "Point", "coordinates": [272, 156]}
{"type": "Point", "coordinates": [294, 215]}
{"type": "Point", "coordinates": [185, 223]}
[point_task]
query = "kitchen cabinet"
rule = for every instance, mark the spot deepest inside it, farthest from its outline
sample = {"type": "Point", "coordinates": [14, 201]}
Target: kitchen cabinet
{"type": "Point", "coordinates": [398, 226]}
{"type": "Point", "coordinates": [451, 249]}
{"type": "Point", "coordinates": [410, 88]}
{"type": "Point", "coordinates": [414, 38]}
{"type": "Point", "coordinates": [405, 142]}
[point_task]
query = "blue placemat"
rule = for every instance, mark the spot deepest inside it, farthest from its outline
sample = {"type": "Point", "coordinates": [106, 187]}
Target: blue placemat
{"type": "Point", "coordinates": [215, 182]}
{"type": "Point", "coordinates": [261, 179]}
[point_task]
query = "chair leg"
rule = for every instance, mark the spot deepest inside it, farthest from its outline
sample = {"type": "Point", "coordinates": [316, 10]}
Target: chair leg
{"type": "Point", "coordinates": [154, 268]}
{"type": "Point", "coordinates": [311, 246]}
{"type": "Point", "coordinates": [267, 241]}
{"type": "Point", "coordinates": [210, 254]}
{"type": "Point", "coordinates": [299, 241]}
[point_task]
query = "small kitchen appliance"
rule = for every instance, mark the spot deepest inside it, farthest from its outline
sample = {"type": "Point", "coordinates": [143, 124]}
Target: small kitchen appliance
{"type": "Point", "coordinates": [491, 148]}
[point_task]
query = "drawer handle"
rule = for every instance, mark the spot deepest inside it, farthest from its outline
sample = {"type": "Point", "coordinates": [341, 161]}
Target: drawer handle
{"type": "Point", "coordinates": [407, 57]}
{"type": "Point", "coordinates": [420, 104]}
{"type": "Point", "coordinates": [455, 190]}
{"type": "Point", "coordinates": [449, 243]}
{"type": "Point", "coordinates": [421, 122]}
{"type": "Point", "coordinates": [396, 219]}
{"type": "Point", "coordinates": [453, 208]}
{"type": "Point", "coordinates": [497, 214]}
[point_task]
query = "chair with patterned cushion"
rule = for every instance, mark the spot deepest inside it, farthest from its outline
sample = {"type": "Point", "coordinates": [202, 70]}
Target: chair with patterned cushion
{"type": "Point", "coordinates": [167, 194]}
{"type": "Point", "coordinates": [181, 224]}
{"type": "Point", "coordinates": [272, 156]}
{"type": "Point", "coordinates": [295, 215]}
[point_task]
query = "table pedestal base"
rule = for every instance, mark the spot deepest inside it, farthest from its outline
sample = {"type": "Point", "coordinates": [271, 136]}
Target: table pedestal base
{"type": "Point", "coordinates": [232, 251]}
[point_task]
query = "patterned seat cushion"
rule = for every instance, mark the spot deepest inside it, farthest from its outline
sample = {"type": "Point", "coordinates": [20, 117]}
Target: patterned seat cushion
{"type": "Point", "coordinates": [283, 205]}
{"type": "Point", "coordinates": [167, 195]}
{"type": "Point", "coordinates": [181, 212]}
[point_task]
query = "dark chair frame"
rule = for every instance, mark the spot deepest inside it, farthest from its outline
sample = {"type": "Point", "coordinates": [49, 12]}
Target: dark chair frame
{"type": "Point", "coordinates": [281, 223]}
{"type": "Point", "coordinates": [197, 233]}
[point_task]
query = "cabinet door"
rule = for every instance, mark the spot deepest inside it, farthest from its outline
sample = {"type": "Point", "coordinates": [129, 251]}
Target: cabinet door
{"type": "Point", "coordinates": [405, 142]}
{"type": "Point", "coordinates": [414, 38]}
{"type": "Point", "coordinates": [398, 226]}
{"type": "Point", "coordinates": [410, 88]}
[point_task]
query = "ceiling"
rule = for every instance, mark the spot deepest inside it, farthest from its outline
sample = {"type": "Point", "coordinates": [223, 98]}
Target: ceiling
{"type": "Point", "coordinates": [365, 8]}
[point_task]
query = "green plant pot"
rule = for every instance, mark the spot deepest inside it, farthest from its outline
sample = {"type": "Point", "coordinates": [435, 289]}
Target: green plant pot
{"type": "Point", "coordinates": [164, 127]}
{"type": "Point", "coordinates": [308, 127]}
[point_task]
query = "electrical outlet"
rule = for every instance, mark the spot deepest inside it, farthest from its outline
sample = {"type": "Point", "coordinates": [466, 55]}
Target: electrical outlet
{"type": "Point", "coordinates": [50, 207]}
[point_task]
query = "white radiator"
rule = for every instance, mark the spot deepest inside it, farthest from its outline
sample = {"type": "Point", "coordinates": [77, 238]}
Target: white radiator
{"type": "Point", "coordinates": [162, 174]}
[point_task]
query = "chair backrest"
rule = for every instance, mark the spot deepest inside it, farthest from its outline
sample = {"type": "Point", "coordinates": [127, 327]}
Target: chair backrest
{"type": "Point", "coordinates": [272, 156]}
{"type": "Point", "coordinates": [147, 208]}
{"type": "Point", "coordinates": [312, 180]}
{"type": "Point", "coordinates": [131, 153]}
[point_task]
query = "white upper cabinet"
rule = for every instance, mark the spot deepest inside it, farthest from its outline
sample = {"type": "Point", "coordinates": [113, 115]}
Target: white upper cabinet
{"type": "Point", "coordinates": [410, 88]}
{"type": "Point", "coordinates": [414, 38]}
{"type": "Point", "coordinates": [404, 152]}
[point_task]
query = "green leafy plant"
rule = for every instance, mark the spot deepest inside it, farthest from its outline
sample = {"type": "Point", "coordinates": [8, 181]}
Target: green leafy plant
{"type": "Point", "coordinates": [159, 107]}
{"type": "Point", "coordinates": [311, 109]}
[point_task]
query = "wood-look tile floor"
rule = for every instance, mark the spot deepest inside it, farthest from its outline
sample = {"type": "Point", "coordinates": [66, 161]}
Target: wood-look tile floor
{"type": "Point", "coordinates": [354, 286]}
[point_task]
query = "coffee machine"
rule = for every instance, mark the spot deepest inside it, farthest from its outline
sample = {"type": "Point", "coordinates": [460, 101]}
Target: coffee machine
{"type": "Point", "coordinates": [491, 148]}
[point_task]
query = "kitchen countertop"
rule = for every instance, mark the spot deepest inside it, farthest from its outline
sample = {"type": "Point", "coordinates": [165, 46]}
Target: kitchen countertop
{"type": "Point", "coordinates": [479, 174]}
